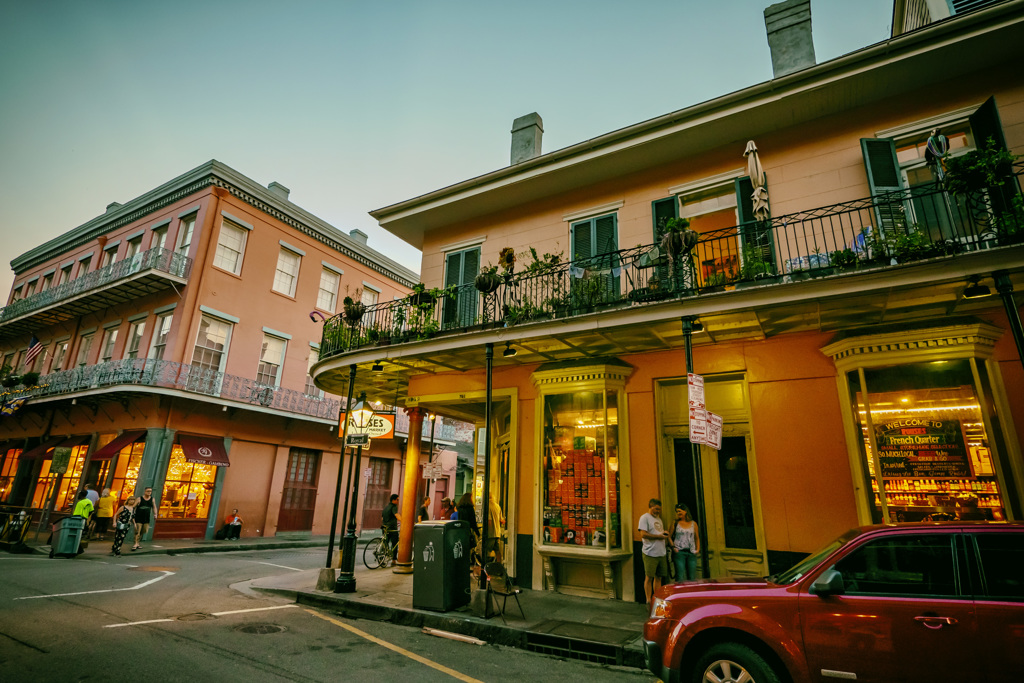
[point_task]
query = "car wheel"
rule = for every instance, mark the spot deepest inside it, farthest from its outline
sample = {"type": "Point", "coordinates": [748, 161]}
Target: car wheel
{"type": "Point", "coordinates": [733, 663]}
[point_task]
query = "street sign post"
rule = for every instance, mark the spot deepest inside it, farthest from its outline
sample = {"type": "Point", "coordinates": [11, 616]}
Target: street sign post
{"type": "Point", "coordinates": [357, 440]}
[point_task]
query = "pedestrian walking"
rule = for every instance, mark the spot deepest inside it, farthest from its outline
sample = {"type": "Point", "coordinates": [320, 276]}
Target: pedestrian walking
{"type": "Point", "coordinates": [447, 509]}
{"type": "Point", "coordinates": [654, 537]}
{"type": "Point", "coordinates": [123, 521]}
{"type": "Point", "coordinates": [144, 512]}
{"type": "Point", "coordinates": [104, 513]}
{"type": "Point", "coordinates": [83, 509]}
{"type": "Point", "coordinates": [424, 514]}
{"type": "Point", "coordinates": [685, 544]}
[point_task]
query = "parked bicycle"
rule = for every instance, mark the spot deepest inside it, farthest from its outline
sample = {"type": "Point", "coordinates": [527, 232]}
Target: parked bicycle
{"type": "Point", "coordinates": [380, 552]}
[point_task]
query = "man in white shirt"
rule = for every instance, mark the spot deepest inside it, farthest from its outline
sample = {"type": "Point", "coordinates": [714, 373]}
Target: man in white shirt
{"type": "Point", "coordinates": [655, 550]}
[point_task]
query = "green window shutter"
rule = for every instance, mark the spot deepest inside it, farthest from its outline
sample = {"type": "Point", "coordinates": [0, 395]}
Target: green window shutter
{"type": "Point", "coordinates": [452, 274]}
{"type": "Point", "coordinates": [985, 125]}
{"type": "Point", "coordinates": [884, 176]}
{"type": "Point", "coordinates": [468, 296]}
{"type": "Point", "coordinates": [757, 240]}
{"type": "Point", "coordinates": [582, 240]}
{"type": "Point", "coordinates": [661, 211]}
{"type": "Point", "coordinates": [605, 235]}
{"type": "Point", "coordinates": [744, 199]}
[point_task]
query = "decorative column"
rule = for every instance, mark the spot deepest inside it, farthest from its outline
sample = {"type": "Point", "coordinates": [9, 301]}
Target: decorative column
{"type": "Point", "coordinates": [403, 565]}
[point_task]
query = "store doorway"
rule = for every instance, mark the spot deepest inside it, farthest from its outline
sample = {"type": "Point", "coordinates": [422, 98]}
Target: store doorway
{"type": "Point", "coordinates": [378, 491]}
{"type": "Point", "coordinates": [299, 499]}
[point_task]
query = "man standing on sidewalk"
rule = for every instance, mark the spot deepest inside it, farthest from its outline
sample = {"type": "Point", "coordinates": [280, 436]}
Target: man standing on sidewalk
{"type": "Point", "coordinates": [655, 550]}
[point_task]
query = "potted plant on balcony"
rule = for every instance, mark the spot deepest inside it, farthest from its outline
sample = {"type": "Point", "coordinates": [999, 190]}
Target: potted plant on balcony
{"type": "Point", "coordinates": [488, 280]}
{"type": "Point", "coordinates": [420, 296]}
{"type": "Point", "coordinates": [30, 379]}
{"type": "Point", "coordinates": [756, 270]}
{"type": "Point", "coordinates": [989, 166]}
{"type": "Point", "coordinates": [714, 281]}
{"type": "Point", "coordinates": [678, 238]}
{"type": "Point", "coordinates": [507, 261]}
{"type": "Point", "coordinates": [352, 310]}
{"type": "Point", "coordinates": [843, 259]}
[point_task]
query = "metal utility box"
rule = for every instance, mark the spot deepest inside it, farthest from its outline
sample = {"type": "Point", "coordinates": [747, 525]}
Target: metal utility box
{"type": "Point", "coordinates": [67, 535]}
{"type": "Point", "coordinates": [441, 551]}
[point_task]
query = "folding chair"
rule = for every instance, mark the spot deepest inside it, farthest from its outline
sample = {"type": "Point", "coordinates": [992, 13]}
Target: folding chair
{"type": "Point", "coordinates": [498, 583]}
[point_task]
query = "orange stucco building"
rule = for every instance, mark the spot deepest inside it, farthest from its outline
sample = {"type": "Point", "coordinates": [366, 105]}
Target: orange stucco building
{"type": "Point", "coordinates": [175, 334]}
{"type": "Point", "coordinates": [851, 313]}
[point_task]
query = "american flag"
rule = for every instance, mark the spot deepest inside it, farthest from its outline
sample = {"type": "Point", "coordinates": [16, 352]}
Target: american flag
{"type": "Point", "coordinates": [34, 349]}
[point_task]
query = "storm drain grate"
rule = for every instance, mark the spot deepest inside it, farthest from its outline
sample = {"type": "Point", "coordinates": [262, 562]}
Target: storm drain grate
{"type": "Point", "coordinates": [260, 629]}
{"type": "Point", "coordinates": [572, 648]}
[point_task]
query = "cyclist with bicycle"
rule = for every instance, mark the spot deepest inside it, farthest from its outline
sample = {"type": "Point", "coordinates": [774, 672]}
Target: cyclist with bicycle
{"type": "Point", "coordinates": [389, 524]}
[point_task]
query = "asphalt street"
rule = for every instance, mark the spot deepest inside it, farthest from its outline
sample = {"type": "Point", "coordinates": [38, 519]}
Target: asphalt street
{"type": "Point", "coordinates": [193, 617]}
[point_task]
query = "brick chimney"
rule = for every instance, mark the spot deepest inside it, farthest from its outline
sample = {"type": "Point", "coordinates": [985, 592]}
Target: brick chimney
{"type": "Point", "coordinates": [789, 36]}
{"type": "Point", "coordinates": [527, 132]}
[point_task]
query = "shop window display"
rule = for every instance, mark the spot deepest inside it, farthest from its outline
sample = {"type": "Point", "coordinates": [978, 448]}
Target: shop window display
{"type": "Point", "coordinates": [581, 492]}
{"type": "Point", "coordinates": [933, 449]}
{"type": "Point", "coordinates": [126, 473]}
{"type": "Point", "coordinates": [188, 488]}
{"type": "Point", "coordinates": [68, 484]}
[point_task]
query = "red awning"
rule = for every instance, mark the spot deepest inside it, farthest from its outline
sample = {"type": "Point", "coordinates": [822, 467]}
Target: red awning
{"type": "Point", "coordinates": [207, 450]}
{"type": "Point", "coordinates": [73, 441]}
{"type": "Point", "coordinates": [44, 447]}
{"type": "Point", "coordinates": [119, 442]}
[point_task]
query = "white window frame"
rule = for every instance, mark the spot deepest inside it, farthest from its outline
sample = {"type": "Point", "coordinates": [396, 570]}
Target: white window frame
{"type": "Point", "coordinates": [261, 375]}
{"type": "Point", "coordinates": [311, 389]}
{"type": "Point", "coordinates": [186, 227]}
{"type": "Point", "coordinates": [83, 266]}
{"type": "Point", "coordinates": [280, 275]}
{"type": "Point", "coordinates": [108, 344]}
{"type": "Point", "coordinates": [159, 238]}
{"type": "Point", "coordinates": [65, 274]}
{"type": "Point", "coordinates": [84, 349]}
{"type": "Point", "coordinates": [227, 341]}
{"type": "Point", "coordinates": [226, 253]}
{"type": "Point", "coordinates": [159, 341]}
{"type": "Point", "coordinates": [60, 354]}
{"type": "Point", "coordinates": [134, 340]}
{"type": "Point", "coordinates": [108, 257]}
{"type": "Point", "coordinates": [327, 297]}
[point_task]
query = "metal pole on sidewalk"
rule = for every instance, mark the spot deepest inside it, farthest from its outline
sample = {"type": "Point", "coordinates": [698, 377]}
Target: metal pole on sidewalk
{"type": "Point", "coordinates": [341, 463]}
{"type": "Point", "coordinates": [1005, 289]}
{"type": "Point", "coordinates": [486, 505]}
{"type": "Point", "coordinates": [698, 470]}
{"type": "Point", "coordinates": [346, 577]}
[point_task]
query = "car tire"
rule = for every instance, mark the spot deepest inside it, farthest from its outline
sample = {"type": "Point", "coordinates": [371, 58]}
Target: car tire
{"type": "Point", "coordinates": [732, 662]}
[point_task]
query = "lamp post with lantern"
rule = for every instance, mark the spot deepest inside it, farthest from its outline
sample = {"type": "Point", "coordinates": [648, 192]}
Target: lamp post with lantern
{"type": "Point", "coordinates": [361, 417]}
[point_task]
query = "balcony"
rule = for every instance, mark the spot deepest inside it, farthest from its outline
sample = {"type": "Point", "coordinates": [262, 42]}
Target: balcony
{"type": "Point", "coordinates": [872, 241]}
{"type": "Point", "coordinates": [132, 375]}
{"type": "Point", "coordinates": [121, 282]}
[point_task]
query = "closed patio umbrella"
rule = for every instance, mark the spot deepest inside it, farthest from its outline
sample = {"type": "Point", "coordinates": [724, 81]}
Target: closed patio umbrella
{"type": "Point", "coordinates": [757, 179]}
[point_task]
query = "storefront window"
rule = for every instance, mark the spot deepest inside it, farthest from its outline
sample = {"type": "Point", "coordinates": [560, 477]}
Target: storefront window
{"type": "Point", "coordinates": [933, 451]}
{"type": "Point", "coordinates": [126, 473]}
{"type": "Point", "coordinates": [8, 469]}
{"type": "Point", "coordinates": [69, 482]}
{"type": "Point", "coordinates": [581, 470]}
{"type": "Point", "coordinates": [188, 488]}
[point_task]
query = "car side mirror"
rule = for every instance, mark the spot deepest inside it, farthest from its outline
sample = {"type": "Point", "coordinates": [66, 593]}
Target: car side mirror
{"type": "Point", "coordinates": [829, 583]}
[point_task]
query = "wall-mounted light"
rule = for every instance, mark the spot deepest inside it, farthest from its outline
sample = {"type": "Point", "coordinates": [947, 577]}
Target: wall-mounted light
{"type": "Point", "coordinates": [509, 351]}
{"type": "Point", "coordinates": [976, 290]}
{"type": "Point", "coordinates": [377, 367]}
{"type": "Point", "coordinates": [698, 326]}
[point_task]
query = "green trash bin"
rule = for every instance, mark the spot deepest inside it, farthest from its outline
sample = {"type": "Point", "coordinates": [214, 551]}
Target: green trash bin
{"type": "Point", "coordinates": [441, 551]}
{"type": "Point", "coordinates": [67, 535]}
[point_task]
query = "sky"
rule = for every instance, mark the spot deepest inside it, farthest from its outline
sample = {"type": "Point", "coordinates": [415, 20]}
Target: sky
{"type": "Point", "coordinates": [351, 105]}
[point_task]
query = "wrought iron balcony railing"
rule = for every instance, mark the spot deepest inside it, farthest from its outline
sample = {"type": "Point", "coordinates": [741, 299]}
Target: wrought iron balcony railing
{"type": "Point", "coordinates": [881, 231]}
{"type": "Point", "coordinates": [190, 378]}
{"type": "Point", "coordinates": [163, 260]}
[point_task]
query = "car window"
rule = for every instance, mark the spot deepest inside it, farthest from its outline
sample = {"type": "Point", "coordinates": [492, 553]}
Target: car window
{"type": "Point", "coordinates": [901, 565]}
{"type": "Point", "coordinates": [1002, 565]}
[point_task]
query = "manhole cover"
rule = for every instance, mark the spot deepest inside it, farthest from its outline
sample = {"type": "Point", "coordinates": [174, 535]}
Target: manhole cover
{"type": "Point", "coordinates": [198, 616]}
{"type": "Point", "coordinates": [260, 629]}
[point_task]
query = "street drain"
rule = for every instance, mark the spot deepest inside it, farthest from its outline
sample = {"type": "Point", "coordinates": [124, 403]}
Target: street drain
{"type": "Point", "coordinates": [198, 616]}
{"type": "Point", "coordinates": [260, 629]}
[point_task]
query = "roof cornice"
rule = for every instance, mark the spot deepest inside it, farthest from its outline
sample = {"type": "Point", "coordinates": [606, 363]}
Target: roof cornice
{"type": "Point", "coordinates": [216, 174]}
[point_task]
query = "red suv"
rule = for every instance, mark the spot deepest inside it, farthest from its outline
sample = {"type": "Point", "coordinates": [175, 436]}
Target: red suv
{"type": "Point", "coordinates": [909, 602]}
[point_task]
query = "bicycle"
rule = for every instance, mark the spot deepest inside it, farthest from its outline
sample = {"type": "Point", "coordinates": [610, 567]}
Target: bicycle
{"type": "Point", "coordinates": [379, 552]}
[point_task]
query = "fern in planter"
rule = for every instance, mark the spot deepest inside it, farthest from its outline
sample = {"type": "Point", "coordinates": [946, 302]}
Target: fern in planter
{"type": "Point", "coordinates": [986, 167]}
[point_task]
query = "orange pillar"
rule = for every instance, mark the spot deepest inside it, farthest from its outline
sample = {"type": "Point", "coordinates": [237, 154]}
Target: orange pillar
{"type": "Point", "coordinates": [403, 565]}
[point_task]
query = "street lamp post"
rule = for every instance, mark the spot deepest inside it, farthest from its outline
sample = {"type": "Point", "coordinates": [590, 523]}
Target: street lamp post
{"type": "Point", "coordinates": [361, 416]}
{"type": "Point", "coordinates": [689, 323]}
{"type": "Point", "coordinates": [341, 469]}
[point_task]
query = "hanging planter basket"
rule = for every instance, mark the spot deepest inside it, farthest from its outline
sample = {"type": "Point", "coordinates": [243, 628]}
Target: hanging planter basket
{"type": "Point", "coordinates": [353, 313]}
{"type": "Point", "coordinates": [487, 283]}
{"type": "Point", "coordinates": [422, 299]}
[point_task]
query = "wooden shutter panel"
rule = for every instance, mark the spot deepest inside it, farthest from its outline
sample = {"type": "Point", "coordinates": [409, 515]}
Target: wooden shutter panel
{"type": "Point", "coordinates": [744, 199]}
{"type": "Point", "coordinates": [884, 176]}
{"type": "Point", "coordinates": [467, 294]}
{"type": "Point", "coordinates": [985, 125]}
{"type": "Point", "coordinates": [661, 211]}
{"type": "Point", "coordinates": [605, 237]}
{"type": "Point", "coordinates": [452, 273]}
{"type": "Point", "coordinates": [582, 244]}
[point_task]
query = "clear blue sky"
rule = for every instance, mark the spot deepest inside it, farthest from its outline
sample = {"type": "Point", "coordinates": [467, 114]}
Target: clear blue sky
{"type": "Point", "coordinates": [351, 105]}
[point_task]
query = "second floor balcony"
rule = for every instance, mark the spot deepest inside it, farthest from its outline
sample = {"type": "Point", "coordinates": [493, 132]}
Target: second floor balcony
{"type": "Point", "coordinates": [859, 253]}
{"type": "Point", "coordinates": [145, 273]}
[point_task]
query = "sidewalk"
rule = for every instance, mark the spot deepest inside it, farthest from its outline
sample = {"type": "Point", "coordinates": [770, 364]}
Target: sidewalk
{"type": "Point", "coordinates": [601, 631]}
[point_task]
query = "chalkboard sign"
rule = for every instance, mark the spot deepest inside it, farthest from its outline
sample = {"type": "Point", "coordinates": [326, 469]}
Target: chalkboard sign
{"type": "Point", "coordinates": [922, 448]}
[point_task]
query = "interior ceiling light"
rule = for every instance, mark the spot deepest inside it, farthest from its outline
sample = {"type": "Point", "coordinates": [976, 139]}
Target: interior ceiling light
{"type": "Point", "coordinates": [509, 351]}
{"type": "Point", "coordinates": [377, 367]}
{"type": "Point", "coordinates": [976, 290]}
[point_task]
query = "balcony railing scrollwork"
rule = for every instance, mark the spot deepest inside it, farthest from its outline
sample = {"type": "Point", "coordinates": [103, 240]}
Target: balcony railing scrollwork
{"type": "Point", "coordinates": [190, 378]}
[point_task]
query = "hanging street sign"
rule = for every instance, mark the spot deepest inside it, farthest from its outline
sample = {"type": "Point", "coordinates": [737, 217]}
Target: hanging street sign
{"type": "Point", "coordinates": [698, 414]}
{"type": "Point", "coordinates": [380, 426]}
{"type": "Point", "coordinates": [357, 440]}
{"type": "Point", "coordinates": [714, 435]}
{"type": "Point", "coordinates": [433, 470]}
{"type": "Point", "coordinates": [60, 461]}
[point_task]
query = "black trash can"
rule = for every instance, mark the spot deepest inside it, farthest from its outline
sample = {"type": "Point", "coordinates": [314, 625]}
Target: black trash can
{"type": "Point", "coordinates": [441, 550]}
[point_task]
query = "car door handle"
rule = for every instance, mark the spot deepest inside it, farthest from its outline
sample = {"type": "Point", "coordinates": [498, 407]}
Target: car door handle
{"type": "Point", "coordinates": [935, 622]}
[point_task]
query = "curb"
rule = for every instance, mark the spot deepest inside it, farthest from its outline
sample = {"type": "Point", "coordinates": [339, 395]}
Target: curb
{"type": "Point", "coordinates": [195, 550]}
{"type": "Point", "coordinates": [493, 633]}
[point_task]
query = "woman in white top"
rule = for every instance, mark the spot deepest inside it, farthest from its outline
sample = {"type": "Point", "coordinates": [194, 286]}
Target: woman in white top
{"type": "Point", "coordinates": [685, 544]}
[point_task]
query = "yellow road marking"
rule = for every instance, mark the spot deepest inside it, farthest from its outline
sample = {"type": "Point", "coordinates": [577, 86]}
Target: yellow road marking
{"type": "Point", "coordinates": [391, 646]}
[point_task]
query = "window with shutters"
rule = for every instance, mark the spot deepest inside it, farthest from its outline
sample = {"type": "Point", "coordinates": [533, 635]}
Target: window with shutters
{"type": "Point", "coordinates": [595, 278]}
{"type": "Point", "coordinates": [460, 270]}
{"type": "Point", "coordinates": [897, 161]}
{"type": "Point", "coordinates": [715, 207]}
